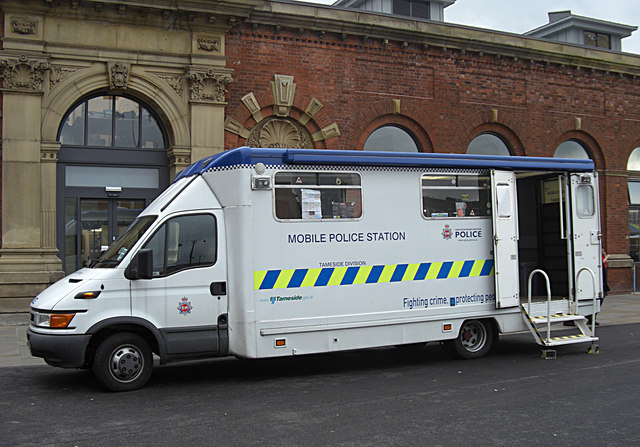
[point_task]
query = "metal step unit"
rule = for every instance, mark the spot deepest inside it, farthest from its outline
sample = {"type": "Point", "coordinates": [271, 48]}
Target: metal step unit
{"type": "Point", "coordinates": [539, 315]}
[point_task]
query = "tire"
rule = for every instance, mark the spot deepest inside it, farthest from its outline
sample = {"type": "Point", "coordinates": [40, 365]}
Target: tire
{"type": "Point", "coordinates": [474, 341]}
{"type": "Point", "coordinates": [123, 362]}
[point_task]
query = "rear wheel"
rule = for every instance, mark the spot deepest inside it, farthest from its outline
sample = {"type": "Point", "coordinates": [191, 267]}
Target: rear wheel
{"type": "Point", "coordinates": [475, 339]}
{"type": "Point", "coordinates": [123, 362]}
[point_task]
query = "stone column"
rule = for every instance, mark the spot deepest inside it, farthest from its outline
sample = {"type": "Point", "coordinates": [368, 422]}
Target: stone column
{"type": "Point", "coordinates": [28, 261]}
{"type": "Point", "coordinates": [207, 87]}
{"type": "Point", "coordinates": [179, 159]}
{"type": "Point", "coordinates": [48, 193]}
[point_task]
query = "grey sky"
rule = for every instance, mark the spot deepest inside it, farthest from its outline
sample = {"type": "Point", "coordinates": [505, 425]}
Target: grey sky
{"type": "Point", "coordinates": [519, 16]}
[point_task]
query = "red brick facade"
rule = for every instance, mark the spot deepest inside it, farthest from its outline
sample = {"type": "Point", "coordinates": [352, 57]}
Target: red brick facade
{"type": "Point", "coordinates": [446, 97]}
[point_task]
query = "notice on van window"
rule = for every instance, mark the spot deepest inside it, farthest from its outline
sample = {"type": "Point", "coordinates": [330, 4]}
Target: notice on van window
{"type": "Point", "coordinates": [324, 238]}
{"type": "Point", "coordinates": [311, 204]}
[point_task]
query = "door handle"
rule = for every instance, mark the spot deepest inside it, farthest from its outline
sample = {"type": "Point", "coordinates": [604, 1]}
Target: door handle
{"type": "Point", "coordinates": [218, 288]}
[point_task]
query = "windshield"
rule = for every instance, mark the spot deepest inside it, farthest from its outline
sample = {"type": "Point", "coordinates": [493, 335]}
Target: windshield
{"type": "Point", "coordinates": [117, 251]}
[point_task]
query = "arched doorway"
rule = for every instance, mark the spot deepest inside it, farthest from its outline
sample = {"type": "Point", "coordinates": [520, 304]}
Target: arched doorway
{"type": "Point", "coordinates": [112, 163]}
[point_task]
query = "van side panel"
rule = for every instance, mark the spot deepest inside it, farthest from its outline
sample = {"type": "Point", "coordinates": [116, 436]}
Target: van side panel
{"type": "Point", "coordinates": [389, 277]}
{"type": "Point", "coordinates": [233, 189]}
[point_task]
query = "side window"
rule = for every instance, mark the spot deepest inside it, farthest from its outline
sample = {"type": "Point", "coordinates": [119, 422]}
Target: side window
{"type": "Point", "coordinates": [184, 242]}
{"type": "Point", "coordinates": [156, 245]}
{"type": "Point", "coordinates": [455, 195]}
{"type": "Point", "coordinates": [503, 194]}
{"type": "Point", "coordinates": [313, 196]}
{"type": "Point", "coordinates": [585, 202]}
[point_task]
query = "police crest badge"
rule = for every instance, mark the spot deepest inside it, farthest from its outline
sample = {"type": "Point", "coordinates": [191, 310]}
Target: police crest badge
{"type": "Point", "coordinates": [184, 306]}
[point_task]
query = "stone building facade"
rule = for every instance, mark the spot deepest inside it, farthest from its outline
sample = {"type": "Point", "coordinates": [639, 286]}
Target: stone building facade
{"type": "Point", "coordinates": [209, 76]}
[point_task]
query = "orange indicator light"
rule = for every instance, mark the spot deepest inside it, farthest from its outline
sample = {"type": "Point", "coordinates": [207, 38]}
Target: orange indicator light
{"type": "Point", "coordinates": [60, 320]}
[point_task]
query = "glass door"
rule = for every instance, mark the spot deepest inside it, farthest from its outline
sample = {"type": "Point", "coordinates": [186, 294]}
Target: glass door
{"type": "Point", "coordinates": [126, 212]}
{"type": "Point", "coordinates": [91, 225]}
{"type": "Point", "coordinates": [112, 162]}
{"type": "Point", "coordinates": [94, 229]}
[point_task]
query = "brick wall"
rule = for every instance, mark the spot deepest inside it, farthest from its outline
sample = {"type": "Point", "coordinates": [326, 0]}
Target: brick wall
{"type": "Point", "coordinates": [447, 97]}
{"type": "Point", "coordinates": [1, 125]}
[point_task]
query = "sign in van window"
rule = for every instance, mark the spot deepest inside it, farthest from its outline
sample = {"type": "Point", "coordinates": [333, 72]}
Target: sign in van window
{"type": "Point", "coordinates": [456, 196]}
{"type": "Point", "coordinates": [317, 195]}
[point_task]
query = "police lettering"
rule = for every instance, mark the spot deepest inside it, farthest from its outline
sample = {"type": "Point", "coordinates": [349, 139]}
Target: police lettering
{"type": "Point", "coordinates": [476, 233]}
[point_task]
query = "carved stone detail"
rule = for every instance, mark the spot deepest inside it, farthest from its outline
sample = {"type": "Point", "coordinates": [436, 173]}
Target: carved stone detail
{"type": "Point", "coordinates": [312, 110]}
{"type": "Point", "coordinates": [284, 90]}
{"type": "Point", "coordinates": [208, 85]}
{"type": "Point", "coordinates": [209, 44]}
{"type": "Point", "coordinates": [174, 81]}
{"type": "Point", "coordinates": [23, 73]}
{"type": "Point", "coordinates": [179, 157]}
{"type": "Point", "coordinates": [251, 103]}
{"type": "Point", "coordinates": [118, 74]}
{"type": "Point", "coordinates": [279, 132]}
{"type": "Point", "coordinates": [49, 151]}
{"type": "Point", "coordinates": [330, 131]}
{"type": "Point", "coordinates": [22, 26]}
{"type": "Point", "coordinates": [234, 126]}
{"type": "Point", "coordinates": [58, 73]}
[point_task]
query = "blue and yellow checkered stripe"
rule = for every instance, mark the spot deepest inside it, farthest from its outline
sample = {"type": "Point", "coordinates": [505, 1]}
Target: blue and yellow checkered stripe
{"type": "Point", "coordinates": [369, 274]}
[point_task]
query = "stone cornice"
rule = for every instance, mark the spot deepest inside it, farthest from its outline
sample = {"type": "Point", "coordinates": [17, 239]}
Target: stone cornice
{"type": "Point", "coordinates": [449, 36]}
{"type": "Point", "coordinates": [225, 14]}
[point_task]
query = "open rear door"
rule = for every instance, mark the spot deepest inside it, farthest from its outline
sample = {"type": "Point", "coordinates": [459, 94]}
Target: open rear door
{"type": "Point", "coordinates": [585, 225]}
{"type": "Point", "coordinates": [505, 237]}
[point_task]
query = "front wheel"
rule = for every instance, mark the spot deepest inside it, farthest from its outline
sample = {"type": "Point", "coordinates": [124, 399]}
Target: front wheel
{"type": "Point", "coordinates": [475, 339]}
{"type": "Point", "coordinates": [123, 362]}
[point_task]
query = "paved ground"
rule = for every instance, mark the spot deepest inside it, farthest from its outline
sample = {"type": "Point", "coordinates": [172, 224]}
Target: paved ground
{"type": "Point", "coordinates": [378, 397]}
{"type": "Point", "coordinates": [618, 309]}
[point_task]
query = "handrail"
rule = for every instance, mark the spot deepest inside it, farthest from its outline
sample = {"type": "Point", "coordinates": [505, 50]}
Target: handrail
{"type": "Point", "coordinates": [593, 286]}
{"type": "Point", "coordinates": [563, 233]}
{"type": "Point", "coordinates": [546, 277]}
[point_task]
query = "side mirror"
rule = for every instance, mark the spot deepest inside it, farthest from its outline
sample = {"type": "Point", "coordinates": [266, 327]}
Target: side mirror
{"type": "Point", "coordinates": [141, 266]}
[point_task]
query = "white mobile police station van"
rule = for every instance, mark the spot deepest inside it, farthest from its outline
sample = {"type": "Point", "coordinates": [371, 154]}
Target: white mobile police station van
{"type": "Point", "coordinates": [274, 252]}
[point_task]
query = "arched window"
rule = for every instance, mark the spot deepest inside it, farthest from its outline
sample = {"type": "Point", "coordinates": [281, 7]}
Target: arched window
{"type": "Point", "coordinates": [111, 121]}
{"type": "Point", "coordinates": [571, 149]}
{"type": "Point", "coordinates": [488, 144]}
{"type": "Point", "coordinates": [391, 138]}
{"type": "Point", "coordinates": [633, 164]}
{"type": "Point", "coordinates": [112, 163]}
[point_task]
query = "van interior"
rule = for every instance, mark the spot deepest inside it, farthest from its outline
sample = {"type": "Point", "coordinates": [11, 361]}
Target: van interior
{"type": "Point", "coordinates": [541, 244]}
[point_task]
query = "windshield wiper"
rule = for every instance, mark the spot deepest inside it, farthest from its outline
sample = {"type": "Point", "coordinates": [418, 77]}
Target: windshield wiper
{"type": "Point", "coordinates": [105, 262]}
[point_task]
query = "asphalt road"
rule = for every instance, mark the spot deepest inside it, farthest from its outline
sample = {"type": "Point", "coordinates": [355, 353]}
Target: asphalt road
{"type": "Point", "coordinates": [390, 396]}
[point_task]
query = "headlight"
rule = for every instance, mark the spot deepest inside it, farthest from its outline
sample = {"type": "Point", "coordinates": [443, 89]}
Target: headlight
{"type": "Point", "coordinates": [52, 320]}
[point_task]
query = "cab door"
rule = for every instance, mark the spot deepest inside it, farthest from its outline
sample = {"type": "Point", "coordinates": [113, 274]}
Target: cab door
{"type": "Point", "coordinates": [187, 296]}
{"type": "Point", "coordinates": [585, 225]}
{"type": "Point", "coordinates": [505, 237]}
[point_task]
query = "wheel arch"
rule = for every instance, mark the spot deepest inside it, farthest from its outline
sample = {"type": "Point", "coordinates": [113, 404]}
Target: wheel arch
{"type": "Point", "coordinates": [145, 329]}
{"type": "Point", "coordinates": [492, 321]}
{"type": "Point", "coordinates": [480, 336]}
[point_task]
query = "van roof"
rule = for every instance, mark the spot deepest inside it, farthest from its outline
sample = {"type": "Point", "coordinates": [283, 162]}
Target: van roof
{"type": "Point", "coordinates": [246, 156]}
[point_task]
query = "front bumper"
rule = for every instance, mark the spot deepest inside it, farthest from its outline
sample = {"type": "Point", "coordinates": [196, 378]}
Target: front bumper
{"type": "Point", "coordinates": [66, 351]}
